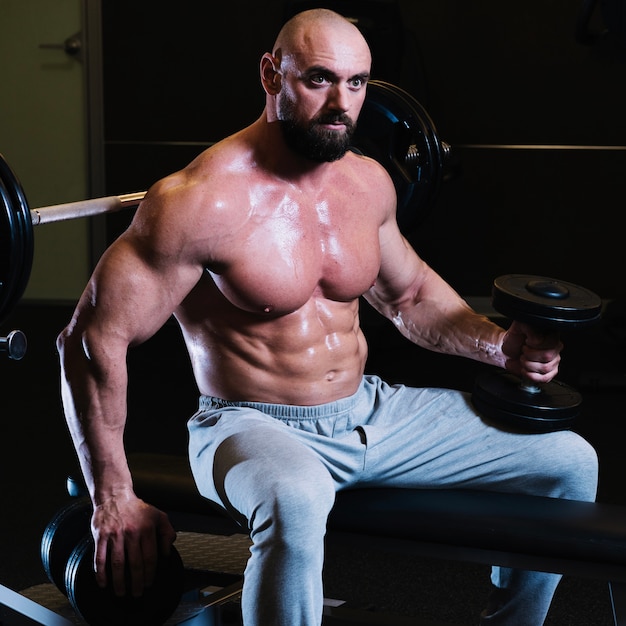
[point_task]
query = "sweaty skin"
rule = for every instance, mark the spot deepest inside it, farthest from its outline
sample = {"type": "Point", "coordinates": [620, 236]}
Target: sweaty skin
{"type": "Point", "coordinates": [261, 255]}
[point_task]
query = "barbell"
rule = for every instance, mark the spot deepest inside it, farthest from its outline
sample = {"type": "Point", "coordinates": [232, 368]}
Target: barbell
{"type": "Point", "coordinates": [16, 230]}
{"type": "Point", "coordinates": [393, 128]}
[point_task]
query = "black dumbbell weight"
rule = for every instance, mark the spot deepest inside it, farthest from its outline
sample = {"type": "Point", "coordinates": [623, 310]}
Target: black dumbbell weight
{"type": "Point", "coordinates": [101, 607]}
{"type": "Point", "coordinates": [544, 303]}
{"type": "Point", "coordinates": [67, 557]}
{"type": "Point", "coordinates": [68, 526]}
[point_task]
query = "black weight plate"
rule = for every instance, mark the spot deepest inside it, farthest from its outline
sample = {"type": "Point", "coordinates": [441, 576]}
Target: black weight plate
{"type": "Point", "coordinates": [500, 397]}
{"type": "Point", "coordinates": [545, 302]}
{"type": "Point", "coordinates": [392, 120]}
{"type": "Point", "coordinates": [62, 534]}
{"type": "Point", "coordinates": [16, 240]}
{"type": "Point", "coordinates": [10, 253]}
{"type": "Point", "coordinates": [101, 607]}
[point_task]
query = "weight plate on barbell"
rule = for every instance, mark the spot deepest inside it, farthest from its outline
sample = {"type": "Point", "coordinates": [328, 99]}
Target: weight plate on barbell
{"type": "Point", "coordinates": [395, 129]}
{"type": "Point", "coordinates": [17, 242]}
{"type": "Point", "coordinates": [9, 253]}
{"type": "Point", "coordinates": [545, 302]}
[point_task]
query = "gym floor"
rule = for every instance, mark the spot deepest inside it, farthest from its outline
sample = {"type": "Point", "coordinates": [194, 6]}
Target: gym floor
{"type": "Point", "coordinates": [37, 456]}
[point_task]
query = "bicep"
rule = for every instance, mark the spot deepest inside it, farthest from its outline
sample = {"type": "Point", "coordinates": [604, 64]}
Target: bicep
{"type": "Point", "coordinates": [131, 294]}
{"type": "Point", "coordinates": [401, 269]}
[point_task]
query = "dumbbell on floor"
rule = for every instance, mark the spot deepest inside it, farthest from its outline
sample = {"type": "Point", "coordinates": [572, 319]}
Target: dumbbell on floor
{"type": "Point", "coordinates": [548, 304]}
{"type": "Point", "coordinates": [67, 558]}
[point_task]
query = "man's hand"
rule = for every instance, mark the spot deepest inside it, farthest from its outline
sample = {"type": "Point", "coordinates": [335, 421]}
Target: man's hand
{"type": "Point", "coordinates": [532, 354]}
{"type": "Point", "coordinates": [129, 535]}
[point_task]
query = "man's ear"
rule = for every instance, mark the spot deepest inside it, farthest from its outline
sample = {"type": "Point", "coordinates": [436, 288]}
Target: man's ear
{"type": "Point", "coordinates": [270, 76]}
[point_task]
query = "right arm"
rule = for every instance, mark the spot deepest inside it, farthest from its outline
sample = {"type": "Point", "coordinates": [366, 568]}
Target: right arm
{"type": "Point", "coordinates": [136, 286]}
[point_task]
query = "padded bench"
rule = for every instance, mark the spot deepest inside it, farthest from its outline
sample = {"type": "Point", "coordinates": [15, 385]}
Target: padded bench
{"type": "Point", "coordinates": [580, 539]}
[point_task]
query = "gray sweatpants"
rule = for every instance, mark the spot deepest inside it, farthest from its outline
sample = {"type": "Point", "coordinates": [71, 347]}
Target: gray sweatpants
{"type": "Point", "coordinates": [276, 469]}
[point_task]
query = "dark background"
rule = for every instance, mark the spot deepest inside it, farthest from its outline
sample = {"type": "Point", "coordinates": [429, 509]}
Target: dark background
{"type": "Point", "coordinates": [534, 117]}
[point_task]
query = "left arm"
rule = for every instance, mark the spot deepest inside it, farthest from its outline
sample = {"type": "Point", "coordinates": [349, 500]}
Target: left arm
{"type": "Point", "coordinates": [426, 310]}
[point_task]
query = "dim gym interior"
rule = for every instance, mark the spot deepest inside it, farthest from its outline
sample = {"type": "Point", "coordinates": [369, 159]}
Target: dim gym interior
{"type": "Point", "coordinates": [501, 127]}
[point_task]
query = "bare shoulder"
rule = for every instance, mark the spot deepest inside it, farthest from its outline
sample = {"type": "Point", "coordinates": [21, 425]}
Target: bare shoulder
{"type": "Point", "coordinates": [192, 208]}
{"type": "Point", "coordinates": [203, 185]}
{"type": "Point", "coordinates": [371, 176]}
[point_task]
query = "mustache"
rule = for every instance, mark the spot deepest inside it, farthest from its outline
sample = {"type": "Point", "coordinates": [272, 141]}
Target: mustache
{"type": "Point", "coordinates": [334, 118]}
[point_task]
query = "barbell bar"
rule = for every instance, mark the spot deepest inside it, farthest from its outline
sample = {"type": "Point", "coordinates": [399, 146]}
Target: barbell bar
{"type": "Point", "coordinates": [85, 208]}
{"type": "Point", "coordinates": [16, 231]}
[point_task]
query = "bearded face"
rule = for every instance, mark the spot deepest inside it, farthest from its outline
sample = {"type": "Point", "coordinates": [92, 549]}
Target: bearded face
{"type": "Point", "coordinates": [311, 140]}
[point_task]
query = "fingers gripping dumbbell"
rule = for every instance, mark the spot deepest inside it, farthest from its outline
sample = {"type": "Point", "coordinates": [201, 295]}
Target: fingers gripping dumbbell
{"type": "Point", "coordinates": [67, 558]}
{"type": "Point", "coordinates": [548, 304]}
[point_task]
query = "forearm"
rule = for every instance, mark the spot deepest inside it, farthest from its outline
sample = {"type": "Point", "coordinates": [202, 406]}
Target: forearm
{"type": "Point", "coordinates": [435, 317]}
{"type": "Point", "coordinates": [126, 530]}
{"type": "Point", "coordinates": [93, 391]}
{"type": "Point", "coordinates": [459, 331]}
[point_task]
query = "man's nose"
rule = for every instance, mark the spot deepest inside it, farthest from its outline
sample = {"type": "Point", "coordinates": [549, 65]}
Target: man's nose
{"type": "Point", "coordinates": [339, 98]}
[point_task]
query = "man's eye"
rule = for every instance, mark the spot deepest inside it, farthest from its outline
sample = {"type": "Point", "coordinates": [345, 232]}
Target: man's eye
{"type": "Point", "coordinates": [318, 79]}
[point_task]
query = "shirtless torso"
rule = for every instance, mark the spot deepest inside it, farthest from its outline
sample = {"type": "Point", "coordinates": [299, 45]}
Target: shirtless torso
{"type": "Point", "coordinates": [267, 281]}
{"type": "Point", "coordinates": [274, 316]}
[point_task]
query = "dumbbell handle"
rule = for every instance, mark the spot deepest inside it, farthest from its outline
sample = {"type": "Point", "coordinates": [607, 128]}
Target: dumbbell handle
{"type": "Point", "coordinates": [14, 344]}
{"type": "Point", "coordinates": [528, 386]}
{"type": "Point", "coordinates": [513, 296]}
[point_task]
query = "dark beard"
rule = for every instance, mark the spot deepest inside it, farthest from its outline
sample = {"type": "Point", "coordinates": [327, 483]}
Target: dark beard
{"type": "Point", "coordinates": [314, 142]}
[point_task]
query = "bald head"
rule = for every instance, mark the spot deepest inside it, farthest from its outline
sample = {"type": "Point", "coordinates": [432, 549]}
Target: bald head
{"type": "Point", "coordinates": [312, 29]}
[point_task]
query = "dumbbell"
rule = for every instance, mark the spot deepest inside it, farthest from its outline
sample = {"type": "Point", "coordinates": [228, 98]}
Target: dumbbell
{"type": "Point", "coordinates": [67, 557]}
{"type": "Point", "coordinates": [546, 304]}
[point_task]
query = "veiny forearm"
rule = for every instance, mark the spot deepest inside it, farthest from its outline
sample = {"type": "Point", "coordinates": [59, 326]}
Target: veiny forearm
{"type": "Point", "coordinates": [93, 389]}
{"type": "Point", "coordinates": [435, 317]}
{"type": "Point", "coordinates": [461, 332]}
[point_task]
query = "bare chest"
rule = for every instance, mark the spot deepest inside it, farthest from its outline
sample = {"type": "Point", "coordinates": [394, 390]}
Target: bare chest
{"type": "Point", "coordinates": [277, 261]}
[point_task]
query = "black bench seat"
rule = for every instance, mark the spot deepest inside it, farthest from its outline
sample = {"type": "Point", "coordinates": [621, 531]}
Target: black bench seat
{"type": "Point", "coordinates": [531, 532]}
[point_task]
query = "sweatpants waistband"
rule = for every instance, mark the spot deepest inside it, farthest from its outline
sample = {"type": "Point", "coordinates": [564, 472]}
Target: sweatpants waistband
{"type": "Point", "coordinates": [291, 411]}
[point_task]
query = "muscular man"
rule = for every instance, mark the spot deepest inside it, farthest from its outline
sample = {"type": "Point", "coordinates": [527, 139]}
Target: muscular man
{"type": "Point", "coordinates": [260, 248]}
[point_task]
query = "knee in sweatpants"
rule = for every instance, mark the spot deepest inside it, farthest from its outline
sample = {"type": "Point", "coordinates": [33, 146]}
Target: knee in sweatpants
{"type": "Point", "coordinates": [296, 508]}
{"type": "Point", "coordinates": [571, 463]}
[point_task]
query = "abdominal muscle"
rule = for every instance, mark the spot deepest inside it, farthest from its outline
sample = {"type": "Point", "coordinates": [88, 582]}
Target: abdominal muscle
{"type": "Point", "coordinates": [313, 355]}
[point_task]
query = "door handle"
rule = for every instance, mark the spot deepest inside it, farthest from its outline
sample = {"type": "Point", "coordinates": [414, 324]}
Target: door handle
{"type": "Point", "coordinates": [72, 46]}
